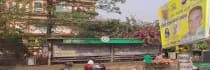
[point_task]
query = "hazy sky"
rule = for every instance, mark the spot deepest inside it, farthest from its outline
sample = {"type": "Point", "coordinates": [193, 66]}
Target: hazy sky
{"type": "Point", "coordinates": [145, 10]}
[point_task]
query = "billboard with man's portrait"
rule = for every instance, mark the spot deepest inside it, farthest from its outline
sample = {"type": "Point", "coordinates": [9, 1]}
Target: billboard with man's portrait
{"type": "Point", "coordinates": [183, 21]}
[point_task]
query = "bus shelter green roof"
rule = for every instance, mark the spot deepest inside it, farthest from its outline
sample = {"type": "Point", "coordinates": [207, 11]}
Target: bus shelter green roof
{"type": "Point", "coordinates": [98, 41]}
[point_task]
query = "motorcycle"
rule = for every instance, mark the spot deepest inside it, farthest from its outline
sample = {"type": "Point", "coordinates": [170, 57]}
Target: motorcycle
{"type": "Point", "coordinates": [68, 66]}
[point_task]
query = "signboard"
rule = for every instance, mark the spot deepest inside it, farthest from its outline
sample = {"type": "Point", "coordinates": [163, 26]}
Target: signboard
{"type": "Point", "coordinates": [185, 66]}
{"type": "Point", "coordinates": [183, 21]}
{"type": "Point", "coordinates": [98, 41]}
{"type": "Point", "coordinates": [184, 57]}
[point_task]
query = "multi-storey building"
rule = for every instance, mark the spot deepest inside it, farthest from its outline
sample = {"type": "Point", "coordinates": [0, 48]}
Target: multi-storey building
{"type": "Point", "coordinates": [33, 23]}
{"type": "Point", "coordinates": [39, 11]}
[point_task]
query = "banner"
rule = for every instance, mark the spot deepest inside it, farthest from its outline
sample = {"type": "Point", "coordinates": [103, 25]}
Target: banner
{"type": "Point", "coordinates": [183, 21]}
{"type": "Point", "coordinates": [45, 52]}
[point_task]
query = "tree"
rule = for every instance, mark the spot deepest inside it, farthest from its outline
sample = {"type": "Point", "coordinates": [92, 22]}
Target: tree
{"type": "Point", "coordinates": [78, 16]}
{"type": "Point", "coordinates": [112, 28]}
{"type": "Point", "coordinates": [149, 34]}
{"type": "Point", "coordinates": [50, 15]}
{"type": "Point", "coordinates": [10, 38]}
{"type": "Point", "coordinates": [109, 5]}
{"type": "Point", "coordinates": [202, 45]}
{"type": "Point", "coordinates": [10, 15]}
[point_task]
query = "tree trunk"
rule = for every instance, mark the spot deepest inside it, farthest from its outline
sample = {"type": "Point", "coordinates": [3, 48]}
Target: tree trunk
{"type": "Point", "coordinates": [50, 15]}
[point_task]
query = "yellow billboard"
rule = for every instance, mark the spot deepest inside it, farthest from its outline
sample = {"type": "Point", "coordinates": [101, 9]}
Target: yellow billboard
{"type": "Point", "coordinates": [183, 21]}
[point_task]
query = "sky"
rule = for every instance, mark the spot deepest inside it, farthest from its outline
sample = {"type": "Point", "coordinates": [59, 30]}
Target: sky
{"type": "Point", "coordinates": [144, 10]}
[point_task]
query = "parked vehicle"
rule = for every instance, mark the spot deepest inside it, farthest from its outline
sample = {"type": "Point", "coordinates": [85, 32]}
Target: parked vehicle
{"type": "Point", "coordinates": [68, 66]}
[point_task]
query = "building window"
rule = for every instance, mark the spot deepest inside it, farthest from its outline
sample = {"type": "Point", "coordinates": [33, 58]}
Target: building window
{"type": "Point", "coordinates": [27, 8]}
{"type": "Point", "coordinates": [53, 30]}
{"type": "Point", "coordinates": [42, 29]}
{"type": "Point", "coordinates": [37, 29]}
{"type": "Point", "coordinates": [38, 5]}
{"type": "Point", "coordinates": [1, 1]}
{"type": "Point", "coordinates": [61, 7]}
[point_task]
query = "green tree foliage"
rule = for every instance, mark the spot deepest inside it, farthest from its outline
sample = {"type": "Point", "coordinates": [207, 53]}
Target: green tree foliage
{"type": "Point", "coordinates": [79, 16]}
{"type": "Point", "coordinates": [12, 43]}
{"type": "Point", "coordinates": [10, 38]}
{"type": "Point", "coordinates": [202, 45]}
{"type": "Point", "coordinates": [109, 5]}
{"type": "Point", "coordinates": [76, 16]}
{"type": "Point", "coordinates": [149, 34]}
{"type": "Point", "coordinates": [112, 28]}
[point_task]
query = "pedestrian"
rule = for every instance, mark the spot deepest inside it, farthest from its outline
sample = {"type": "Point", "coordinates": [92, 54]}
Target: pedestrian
{"type": "Point", "coordinates": [147, 60]}
{"type": "Point", "coordinates": [25, 58]}
{"type": "Point", "coordinates": [159, 56]}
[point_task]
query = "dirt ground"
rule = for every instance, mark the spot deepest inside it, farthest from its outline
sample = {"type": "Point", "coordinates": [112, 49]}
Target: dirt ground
{"type": "Point", "coordinates": [134, 65]}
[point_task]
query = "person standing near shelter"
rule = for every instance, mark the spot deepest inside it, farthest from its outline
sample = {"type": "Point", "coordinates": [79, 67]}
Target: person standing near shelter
{"type": "Point", "coordinates": [147, 60]}
{"type": "Point", "coordinates": [159, 57]}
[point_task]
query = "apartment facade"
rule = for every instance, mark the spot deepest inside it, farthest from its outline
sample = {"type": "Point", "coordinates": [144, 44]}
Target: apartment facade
{"type": "Point", "coordinates": [38, 12]}
{"type": "Point", "coordinates": [34, 23]}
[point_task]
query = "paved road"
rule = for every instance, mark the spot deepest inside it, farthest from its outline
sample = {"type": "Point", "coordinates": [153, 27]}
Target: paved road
{"type": "Point", "coordinates": [135, 65]}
